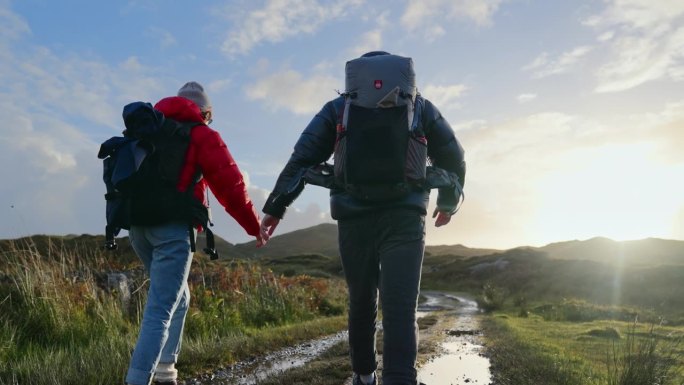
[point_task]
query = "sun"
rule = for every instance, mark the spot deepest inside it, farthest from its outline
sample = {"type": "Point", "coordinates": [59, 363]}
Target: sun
{"type": "Point", "coordinates": [620, 191]}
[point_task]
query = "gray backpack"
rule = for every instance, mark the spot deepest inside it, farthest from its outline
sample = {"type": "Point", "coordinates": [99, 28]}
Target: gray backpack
{"type": "Point", "coordinates": [381, 149]}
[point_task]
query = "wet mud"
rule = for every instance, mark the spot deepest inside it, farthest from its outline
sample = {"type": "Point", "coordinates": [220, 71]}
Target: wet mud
{"type": "Point", "coordinates": [462, 361]}
{"type": "Point", "coordinates": [251, 372]}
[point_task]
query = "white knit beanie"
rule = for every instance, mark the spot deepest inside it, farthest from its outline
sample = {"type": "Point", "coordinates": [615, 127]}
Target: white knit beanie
{"type": "Point", "coordinates": [195, 92]}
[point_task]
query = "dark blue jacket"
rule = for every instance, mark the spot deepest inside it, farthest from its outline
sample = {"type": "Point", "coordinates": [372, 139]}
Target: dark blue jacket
{"type": "Point", "coordinates": [317, 143]}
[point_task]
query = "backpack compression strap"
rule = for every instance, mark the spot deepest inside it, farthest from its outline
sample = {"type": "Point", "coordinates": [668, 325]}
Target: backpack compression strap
{"type": "Point", "coordinates": [211, 243]}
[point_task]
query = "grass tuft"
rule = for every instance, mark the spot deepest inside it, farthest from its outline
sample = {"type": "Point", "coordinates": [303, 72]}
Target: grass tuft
{"type": "Point", "coordinates": [645, 360]}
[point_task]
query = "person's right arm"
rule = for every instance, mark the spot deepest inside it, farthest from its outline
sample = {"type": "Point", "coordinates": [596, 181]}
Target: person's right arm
{"type": "Point", "coordinates": [225, 180]}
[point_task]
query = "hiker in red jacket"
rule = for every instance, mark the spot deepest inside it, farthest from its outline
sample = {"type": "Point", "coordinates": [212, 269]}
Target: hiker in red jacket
{"type": "Point", "coordinates": [165, 250]}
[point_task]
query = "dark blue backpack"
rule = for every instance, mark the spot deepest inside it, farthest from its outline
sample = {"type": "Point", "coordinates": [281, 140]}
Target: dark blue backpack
{"type": "Point", "coordinates": [141, 171]}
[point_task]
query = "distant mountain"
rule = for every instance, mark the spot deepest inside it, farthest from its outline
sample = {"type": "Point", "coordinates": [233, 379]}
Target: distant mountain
{"type": "Point", "coordinates": [322, 239]}
{"type": "Point", "coordinates": [224, 248]}
{"type": "Point", "coordinates": [650, 251]}
{"type": "Point", "coordinates": [531, 273]}
{"type": "Point", "coordinates": [319, 239]}
{"type": "Point", "coordinates": [459, 250]}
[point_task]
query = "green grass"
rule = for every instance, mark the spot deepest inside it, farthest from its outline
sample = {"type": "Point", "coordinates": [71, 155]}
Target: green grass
{"type": "Point", "coordinates": [61, 325]}
{"type": "Point", "coordinates": [531, 350]}
{"type": "Point", "coordinates": [315, 265]}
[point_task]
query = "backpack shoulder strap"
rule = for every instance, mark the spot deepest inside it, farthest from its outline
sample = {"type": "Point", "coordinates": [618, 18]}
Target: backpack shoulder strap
{"type": "Point", "coordinates": [416, 124]}
{"type": "Point", "coordinates": [174, 127]}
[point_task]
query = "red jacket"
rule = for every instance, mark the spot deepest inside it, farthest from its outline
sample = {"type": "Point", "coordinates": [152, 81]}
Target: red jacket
{"type": "Point", "coordinates": [208, 153]}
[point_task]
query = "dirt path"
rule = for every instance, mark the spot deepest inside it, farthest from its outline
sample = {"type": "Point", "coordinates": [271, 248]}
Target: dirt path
{"type": "Point", "coordinates": [450, 349]}
{"type": "Point", "coordinates": [253, 371]}
{"type": "Point", "coordinates": [461, 361]}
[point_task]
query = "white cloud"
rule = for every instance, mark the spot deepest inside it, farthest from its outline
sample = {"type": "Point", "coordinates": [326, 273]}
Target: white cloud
{"type": "Point", "coordinates": [543, 66]}
{"type": "Point", "coordinates": [645, 41]}
{"type": "Point", "coordinates": [642, 59]}
{"type": "Point", "coordinates": [369, 41]}
{"type": "Point", "coordinates": [219, 85]}
{"type": "Point", "coordinates": [281, 19]}
{"type": "Point", "coordinates": [638, 14]}
{"type": "Point", "coordinates": [475, 124]}
{"type": "Point", "coordinates": [525, 98]}
{"type": "Point", "coordinates": [58, 106]}
{"type": "Point", "coordinates": [74, 86]}
{"type": "Point", "coordinates": [164, 37]}
{"type": "Point", "coordinates": [12, 28]}
{"type": "Point", "coordinates": [606, 36]}
{"type": "Point", "coordinates": [434, 32]}
{"type": "Point", "coordinates": [11, 25]}
{"type": "Point", "coordinates": [430, 15]}
{"type": "Point", "coordinates": [444, 97]}
{"type": "Point", "coordinates": [292, 91]}
{"type": "Point", "coordinates": [56, 185]}
{"type": "Point", "coordinates": [48, 150]}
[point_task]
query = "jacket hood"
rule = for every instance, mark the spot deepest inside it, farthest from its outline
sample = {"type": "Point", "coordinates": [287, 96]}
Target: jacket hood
{"type": "Point", "coordinates": [180, 109]}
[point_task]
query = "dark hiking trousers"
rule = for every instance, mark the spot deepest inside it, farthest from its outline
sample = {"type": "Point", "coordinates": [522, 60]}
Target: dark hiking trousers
{"type": "Point", "coordinates": [383, 251]}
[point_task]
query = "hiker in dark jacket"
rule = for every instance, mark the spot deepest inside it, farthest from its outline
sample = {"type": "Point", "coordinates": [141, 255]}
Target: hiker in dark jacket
{"type": "Point", "coordinates": [166, 249]}
{"type": "Point", "coordinates": [381, 243]}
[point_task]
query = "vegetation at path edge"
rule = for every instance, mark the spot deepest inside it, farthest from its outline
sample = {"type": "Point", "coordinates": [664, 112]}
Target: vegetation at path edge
{"type": "Point", "coordinates": [57, 312]}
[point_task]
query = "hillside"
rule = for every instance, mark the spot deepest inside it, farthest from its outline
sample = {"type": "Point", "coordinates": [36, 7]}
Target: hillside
{"type": "Point", "coordinates": [458, 250]}
{"type": "Point", "coordinates": [319, 239]}
{"type": "Point", "coordinates": [85, 247]}
{"type": "Point", "coordinates": [650, 251]}
{"type": "Point", "coordinates": [647, 273]}
{"type": "Point", "coordinates": [322, 239]}
{"type": "Point", "coordinates": [529, 273]}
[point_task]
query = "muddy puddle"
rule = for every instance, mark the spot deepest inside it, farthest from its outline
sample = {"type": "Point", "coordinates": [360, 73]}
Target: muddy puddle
{"type": "Point", "coordinates": [462, 361]}
{"type": "Point", "coordinates": [250, 372]}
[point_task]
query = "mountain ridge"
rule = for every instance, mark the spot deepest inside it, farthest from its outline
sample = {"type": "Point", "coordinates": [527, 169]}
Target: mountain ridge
{"type": "Point", "coordinates": [322, 239]}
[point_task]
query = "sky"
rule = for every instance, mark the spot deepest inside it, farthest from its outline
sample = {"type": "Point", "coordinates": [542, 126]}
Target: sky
{"type": "Point", "coordinates": [571, 113]}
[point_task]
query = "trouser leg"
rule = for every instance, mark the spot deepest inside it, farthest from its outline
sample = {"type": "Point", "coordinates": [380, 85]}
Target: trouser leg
{"type": "Point", "coordinates": [360, 264]}
{"type": "Point", "coordinates": [168, 269]}
{"type": "Point", "coordinates": [401, 257]}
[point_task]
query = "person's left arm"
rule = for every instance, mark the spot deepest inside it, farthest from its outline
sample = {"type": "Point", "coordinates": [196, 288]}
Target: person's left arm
{"type": "Point", "coordinates": [446, 152]}
{"type": "Point", "coordinates": [314, 146]}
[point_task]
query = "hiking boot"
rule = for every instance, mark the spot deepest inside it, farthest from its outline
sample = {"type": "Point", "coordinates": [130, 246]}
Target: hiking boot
{"type": "Point", "coordinates": [357, 380]}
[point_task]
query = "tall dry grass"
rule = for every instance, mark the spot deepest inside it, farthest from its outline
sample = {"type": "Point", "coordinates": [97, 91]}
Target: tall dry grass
{"type": "Point", "coordinates": [60, 324]}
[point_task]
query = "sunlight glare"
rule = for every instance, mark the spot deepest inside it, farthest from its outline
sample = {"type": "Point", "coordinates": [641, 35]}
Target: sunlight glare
{"type": "Point", "coordinates": [616, 191]}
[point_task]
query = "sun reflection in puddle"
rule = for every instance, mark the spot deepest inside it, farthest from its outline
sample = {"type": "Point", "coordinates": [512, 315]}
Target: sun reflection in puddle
{"type": "Point", "coordinates": [462, 364]}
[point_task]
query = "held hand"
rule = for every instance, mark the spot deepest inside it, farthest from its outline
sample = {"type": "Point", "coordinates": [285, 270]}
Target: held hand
{"type": "Point", "coordinates": [443, 217]}
{"type": "Point", "coordinates": [260, 240]}
{"type": "Point", "coordinates": [268, 226]}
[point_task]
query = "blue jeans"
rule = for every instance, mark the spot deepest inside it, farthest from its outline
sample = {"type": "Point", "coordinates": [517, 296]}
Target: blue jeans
{"type": "Point", "coordinates": [165, 252]}
{"type": "Point", "coordinates": [383, 251]}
